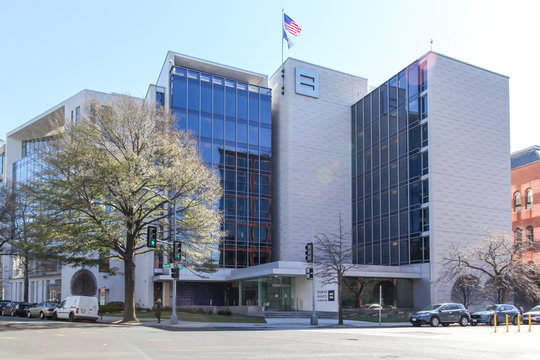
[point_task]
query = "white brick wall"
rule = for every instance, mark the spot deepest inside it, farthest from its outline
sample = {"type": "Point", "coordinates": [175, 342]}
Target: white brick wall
{"type": "Point", "coordinates": [312, 157]}
{"type": "Point", "coordinates": [469, 157]}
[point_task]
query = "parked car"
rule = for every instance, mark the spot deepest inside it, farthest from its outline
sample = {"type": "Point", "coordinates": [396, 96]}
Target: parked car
{"type": "Point", "coordinates": [535, 315]}
{"type": "Point", "coordinates": [44, 309]}
{"type": "Point", "coordinates": [3, 303]}
{"type": "Point", "coordinates": [77, 307]}
{"type": "Point", "coordinates": [16, 308]}
{"type": "Point", "coordinates": [444, 314]}
{"type": "Point", "coordinates": [373, 307]}
{"type": "Point", "coordinates": [487, 314]}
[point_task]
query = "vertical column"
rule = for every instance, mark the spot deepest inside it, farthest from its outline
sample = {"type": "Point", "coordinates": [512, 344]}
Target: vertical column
{"type": "Point", "coordinates": [240, 292]}
{"type": "Point", "coordinates": [259, 292]}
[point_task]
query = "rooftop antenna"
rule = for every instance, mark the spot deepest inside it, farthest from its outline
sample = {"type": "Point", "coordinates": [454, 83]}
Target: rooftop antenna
{"type": "Point", "coordinates": [431, 45]}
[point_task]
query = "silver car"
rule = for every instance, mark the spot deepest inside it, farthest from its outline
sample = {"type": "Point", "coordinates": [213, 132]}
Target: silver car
{"type": "Point", "coordinates": [534, 313]}
{"type": "Point", "coordinates": [43, 310]}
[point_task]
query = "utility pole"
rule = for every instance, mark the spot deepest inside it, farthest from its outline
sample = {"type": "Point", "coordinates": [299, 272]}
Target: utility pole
{"type": "Point", "coordinates": [314, 320]}
{"type": "Point", "coordinates": [174, 318]}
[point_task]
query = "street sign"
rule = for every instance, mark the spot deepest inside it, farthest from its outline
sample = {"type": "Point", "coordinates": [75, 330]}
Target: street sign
{"type": "Point", "coordinates": [166, 266]}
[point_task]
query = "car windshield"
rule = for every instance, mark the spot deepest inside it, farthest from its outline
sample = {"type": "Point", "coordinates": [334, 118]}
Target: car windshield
{"type": "Point", "coordinates": [536, 308]}
{"type": "Point", "coordinates": [431, 307]}
{"type": "Point", "coordinates": [489, 308]}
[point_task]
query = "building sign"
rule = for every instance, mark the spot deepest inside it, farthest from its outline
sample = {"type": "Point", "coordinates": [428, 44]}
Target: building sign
{"type": "Point", "coordinates": [307, 82]}
{"type": "Point", "coordinates": [325, 295]}
{"type": "Point", "coordinates": [330, 295]}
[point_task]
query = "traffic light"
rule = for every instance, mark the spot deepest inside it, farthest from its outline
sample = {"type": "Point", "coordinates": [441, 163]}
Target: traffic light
{"type": "Point", "coordinates": [175, 273]}
{"type": "Point", "coordinates": [177, 251]}
{"type": "Point", "coordinates": [309, 273]}
{"type": "Point", "coordinates": [151, 237]}
{"type": "Point", "coordinates": [309, 252]}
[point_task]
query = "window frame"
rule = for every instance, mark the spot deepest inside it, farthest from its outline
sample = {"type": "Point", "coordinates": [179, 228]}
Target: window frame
{"type": "Point", "coordinates": [517, 201]}
{"type": "Point", "coordinates": [529, 200]}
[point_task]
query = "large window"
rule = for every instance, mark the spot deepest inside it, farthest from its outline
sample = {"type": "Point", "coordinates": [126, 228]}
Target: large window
{"type": "Point", "coordinates": [518, 236]}
{"type": "Point", "coordinates": [529, 199]}
{"type": "Point", "coordinates": [517, 201]}
{"type": "Point", "coordinates": [529, 233]}
{"type": "Point", "coordinates": [231, 120]}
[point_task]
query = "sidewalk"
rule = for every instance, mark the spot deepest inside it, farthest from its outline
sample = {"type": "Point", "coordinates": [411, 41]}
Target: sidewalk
{"type": "Point", "coordinates": [271, 323]}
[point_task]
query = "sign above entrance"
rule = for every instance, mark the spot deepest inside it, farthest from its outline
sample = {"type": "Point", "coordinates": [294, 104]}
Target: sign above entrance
{"type": "Point", "coordinates": [307, 82]}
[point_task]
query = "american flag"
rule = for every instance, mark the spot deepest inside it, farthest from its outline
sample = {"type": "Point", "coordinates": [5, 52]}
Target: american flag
{"type": "Point", "coordinates": [290, 25]}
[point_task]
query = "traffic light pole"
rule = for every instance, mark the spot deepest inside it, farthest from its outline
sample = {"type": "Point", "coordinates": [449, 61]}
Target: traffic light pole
{"type": "Point", "coordinates": [314, 320]}
{"type": "Point", "coordinates": [174, 318]}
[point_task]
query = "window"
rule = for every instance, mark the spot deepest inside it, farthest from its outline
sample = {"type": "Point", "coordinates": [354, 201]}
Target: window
{"type": "Point", "coordinates": [529, 199]}
{"type": "Point", "coordinates": [518, 238]}
{"type": "Point", "coordinates": [77, 114]}
{"type": "Point", "coordinates": [530, 235]}
{"type": "Point", "coordinates": [517, 201]}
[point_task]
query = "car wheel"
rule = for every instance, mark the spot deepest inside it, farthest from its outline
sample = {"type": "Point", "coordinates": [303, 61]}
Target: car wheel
{"type": "Point", "coordinates": [445, 324]}
{"type": "Point", "coordinates": [12, 313]}
{"type": "Point", "coordinates": [71, 317]}
{"type": "Point", "coordinates": [434, 322]}
{"type": "Point", "coordinates": [416, 324]}
{"type": "Point", "coordinates": [514, 320]}
{"type": "Point", "coordinates": [463, 321]}
{"type": "Point", "coordinates": [41, 315]}
{"type": "Point", "coordinates": [28, 314]}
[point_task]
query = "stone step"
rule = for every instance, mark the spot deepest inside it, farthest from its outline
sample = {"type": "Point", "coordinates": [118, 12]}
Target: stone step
{"type": "Point", "coordinates": [299, 314]}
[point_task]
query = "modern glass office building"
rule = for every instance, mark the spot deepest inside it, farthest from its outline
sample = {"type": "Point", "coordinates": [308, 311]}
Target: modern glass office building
{"type": "Point", "coordinates": [231, 120]}
{"type": "Point", "coordinates": [390, 188]}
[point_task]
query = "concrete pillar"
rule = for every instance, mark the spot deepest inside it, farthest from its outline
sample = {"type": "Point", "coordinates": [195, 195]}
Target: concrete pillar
{"type": "Point", "coordinates": [239, 292]}
{"type": "Point", "coordinates": [259, 292]}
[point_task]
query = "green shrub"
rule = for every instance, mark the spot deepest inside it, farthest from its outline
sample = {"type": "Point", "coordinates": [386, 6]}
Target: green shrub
{"type": "Point", "coordinates": [224, 312]}
{"type": "Point", "coordinates": [114, 306]}
{"type": "Point", "coordinates": [192, 310]}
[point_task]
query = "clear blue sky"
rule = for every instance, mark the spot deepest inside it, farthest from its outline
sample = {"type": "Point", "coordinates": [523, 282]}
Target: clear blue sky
{"type": "Point", "coordinates": [52, 49]}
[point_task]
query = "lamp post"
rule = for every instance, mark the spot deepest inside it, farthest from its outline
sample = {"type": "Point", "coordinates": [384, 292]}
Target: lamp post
{"type": "Point", "coordinates": [174, 317]}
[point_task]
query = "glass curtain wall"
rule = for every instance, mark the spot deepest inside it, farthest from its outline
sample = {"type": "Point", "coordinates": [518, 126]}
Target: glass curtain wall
{"type": "Point", "coordinates": [390, 170]}
{"type": "Point", "coordinates": [231, 121]}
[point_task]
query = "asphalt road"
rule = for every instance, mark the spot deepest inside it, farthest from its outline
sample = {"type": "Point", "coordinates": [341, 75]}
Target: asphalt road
{"type": "Point", "coordinates": [36, 339]}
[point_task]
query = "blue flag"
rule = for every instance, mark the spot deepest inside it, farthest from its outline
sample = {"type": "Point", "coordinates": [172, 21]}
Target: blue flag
{"type": "Point", "coordinates": [289, 42]}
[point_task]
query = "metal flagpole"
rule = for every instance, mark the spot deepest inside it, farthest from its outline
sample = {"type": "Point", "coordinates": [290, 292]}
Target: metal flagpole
{"type": "Point", "coordinates": [282, 12]}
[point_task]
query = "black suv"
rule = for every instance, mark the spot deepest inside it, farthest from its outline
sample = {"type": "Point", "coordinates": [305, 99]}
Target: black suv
{"type": "Point", "coordinates": [444, 314]}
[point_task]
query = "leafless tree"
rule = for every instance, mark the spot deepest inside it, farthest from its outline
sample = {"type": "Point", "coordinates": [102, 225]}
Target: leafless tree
{"type": "Point", "coordinates": [357, 286]}
{"type": "Point", "coordinates": [497, 260]}
{"type": "Point", "coordinates": [333, 257]}
{"type": "Point", "coordinates": [467, 290]}
{"type": "Point", "coordinates": [7, 207]}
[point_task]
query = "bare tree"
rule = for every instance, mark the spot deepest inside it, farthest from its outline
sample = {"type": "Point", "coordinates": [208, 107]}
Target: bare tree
{"type": "Point", "coordinates": [108, 177]}
{"type": "Point", "coordinates": [357, 286]}
{"type": "Point", "coordinates": [333, 257]}
{"type": "Point", "coordinates": [7, 208]}
{"type": "Point", "coordinates": [495, 259]}
{"type": "Point", "coordinates": [467, 290]}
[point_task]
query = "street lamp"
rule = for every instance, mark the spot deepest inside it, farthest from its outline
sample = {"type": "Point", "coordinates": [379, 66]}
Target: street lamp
{"type": "Point", "coordinates": [174, 318]}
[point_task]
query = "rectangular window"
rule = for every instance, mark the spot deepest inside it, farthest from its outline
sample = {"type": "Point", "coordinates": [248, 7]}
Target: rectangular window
{"type": "Point", "coordinates": [253, 107]}
{"type": "Point", "coordinates": [253, 135]}
{"type": "Point", "coordinates": [193, 124]}
{"type": "Point", "coordinates": [423, 107]}
{"type": "Point", "coordinates": [218, 100]}
{"type": "Point", "coordinates": [266, 110]}
{"type": "Point", "coordinates": [230, 130]}
{"type": "Point", "coordinates": [193, 94]}
{"type": "Point", "coordinates": [424, 135]}
{"type": "Point", "coordinates": [242, 105]}
{"type": "Point", "coordinates": [266, 137]}
{"type": "Point", "coordinates": [241, 133]}
{"type": "Point", "coordinates": [206, 97]}
{"type": "Point", "coordinates": [77, 114]}
{"type": "Point", "coordinates": [206, 126]}
{"type": "Point", "coordinates": [179, 92]}
{"type": "Point", "coordinates": [206, 151]}
{"type": "Point", "coordinates": [230, 102]}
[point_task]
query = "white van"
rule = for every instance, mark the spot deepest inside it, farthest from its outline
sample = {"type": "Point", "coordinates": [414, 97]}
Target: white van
{"type": "Point", "coordinates": [77, 307]}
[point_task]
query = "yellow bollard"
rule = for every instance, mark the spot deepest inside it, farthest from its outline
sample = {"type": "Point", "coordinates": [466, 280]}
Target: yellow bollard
{"type": "Point", "coordinates": [506, 322]}
{"type": "Point", "coordinates": [529, 322]}
{"type": "Point", "coordinates": [519, 323]}
{"type": "Point", "coordinates": [495, 321]}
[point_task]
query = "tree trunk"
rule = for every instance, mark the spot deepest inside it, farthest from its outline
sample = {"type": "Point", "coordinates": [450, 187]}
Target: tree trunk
{"type": "Point", "coordinates": [340, 306]}
{"type": "Point", "coordinates": [25, 299]}
{"type": "Point", "coordinates": [129, 280]}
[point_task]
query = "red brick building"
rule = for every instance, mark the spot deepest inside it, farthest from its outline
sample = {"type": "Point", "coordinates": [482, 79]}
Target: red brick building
{"type": "Point", "coordinates": [526, 200]}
